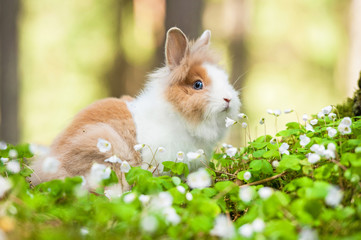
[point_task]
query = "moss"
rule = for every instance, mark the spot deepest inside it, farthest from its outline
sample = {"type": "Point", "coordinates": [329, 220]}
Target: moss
{"type": "Point", "coordinates": [352, 106]}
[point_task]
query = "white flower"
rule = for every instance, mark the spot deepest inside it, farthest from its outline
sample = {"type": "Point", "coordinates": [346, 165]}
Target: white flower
{"type": "Point", "coordinates": [113, 192]}
{"type": "Point", "coordinates": [138, 147]}
{"type": "Point", "coordinates": [161, 201]}
{"type": "Point", "coordinates": [246, 230]}
{"type": "Point", "coordinates": [229, 122]}
{"type": "Point", "coordinates": [181, 189]}
{"type": "Point", "coordinates": [273, 141]}
{"type": "Point", "coordinates": [225, 145]}
{"type": "Point", "coordinates": [199, 179]}
{"type": "Point", "coordinates": [161, 150]}
{"type": "Point", "coordinates": [4, 160]}
{"type": "Point", "coordinates": [261, 121]}
{"type": "Point", "coordinates": [275, 163]}
{"type": "Point", "coordinates": [265, 192]}
{"type": "Point", "coordinates": [38, 149]}
{"type": "Point", "coordinates": [344, 129]}
{"type": "Point", "coordinates": [129, 198]}
{"type": "Point", "coordinates": [346, 121]}
{"type": "Point", "coordinates": [277, 112]}
{"type": "Point", "coordinates": [304, 140]}
{"type": "Point", "coordinates": [309, 127]}
{"type": "Point", "coordinates": [5, 186]}
{"type": "Point", "coordinates": [307, 233]}
{"type": "Point", "coordinates": [149, 223]}
{"type": "Point", "coordinates": [84, 231]}
{"type": "Point", "coordinates": [50, 165]}
{"type": "Point", "coordinates": [200, 151]}
{"type": "Point", "coordinates": [171, 215]}
{"type": "Point", "coordinates": [103, 145]}
{"type": "Point", "coordinates": [270, 111]}
{"type": "Point", "coordinates": [231, 152]}
{"type": "Point", "coordinates": [246, 194]}
{"type": "Point", "coordinates": [258, 225]}
{"type": "Point", "coordinates": [334, 196]}
{"type": "Point", "coordinates": [180, 156]}
{"type": "Point", "coordinates": [313, 158]}
{"type": "Point", "coordinates": [284, 148]}
{"type": "Point", "coordinates": [327, 110]}
{"type": "Point", "coordinates": [193, 155]}
{"type": "Point", "coordinates": [3, 145]}
{"type": "Point", "coordinates": [13, 166]}
{"type": "Point", "coordinates": [113, 159]}
{"type": "Point", "coordinates": [223, 227]}
{"type": "Point", "coordinates": [329, 154]}
{"type": "Point", "coordinates": [331, 146]}
{"type": "Point", "coordinates": [332, 116]}
{"type": "Point", "coordinates": [83, 181]}
{"type": "Point", "coordinates": [331, 132]}
{"type": "Point", "coordinates": [319, 149]}
{"type": "Point", "coordinates": [13, 153]}
{"type": "Point", "coordinates": [286, 111]}
{"type": "Point", "coordinates": [247, 175]}
{"type": "Point", "coordinates": [305, 117]}
{"type": "Point", "coordinates": [124, 167]}
{"type": "Point", "coordinates": [244, 125]}
{"type": "Point", "coordinates": [98, 172]}
{"type": "Point", "coordinates": [189, 196]}
{"type": "Point", "coordinates": [320, 115]}
{"type": "Point", "coordinates": [314, 121]}
{"type": "Point", "coordinates": [242, 115]}
{"type": "Point", "coordinates": [144, 199]}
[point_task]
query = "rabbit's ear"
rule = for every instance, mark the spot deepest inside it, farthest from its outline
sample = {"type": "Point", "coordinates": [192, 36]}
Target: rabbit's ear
{"type": "Point", "coordinates": [176, 47]}
{"type": "Point", "coordinates": [205, 38]}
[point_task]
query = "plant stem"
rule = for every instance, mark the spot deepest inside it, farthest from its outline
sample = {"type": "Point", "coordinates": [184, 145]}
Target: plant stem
{"type": "Point", "coordinates": [264, 180]}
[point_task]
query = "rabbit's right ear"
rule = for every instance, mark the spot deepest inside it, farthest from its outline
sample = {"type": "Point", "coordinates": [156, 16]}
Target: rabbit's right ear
{"type": "Point", "coordinates": [176, 47]}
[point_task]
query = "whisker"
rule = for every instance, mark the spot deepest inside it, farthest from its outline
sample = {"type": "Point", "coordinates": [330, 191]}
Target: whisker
{"type": "Point", "coordinates": [240, 76]}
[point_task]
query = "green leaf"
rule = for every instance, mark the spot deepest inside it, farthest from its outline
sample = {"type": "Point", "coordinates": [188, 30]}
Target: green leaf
{"type": "Point", "coordinates": [294, 125]}
{"type": "Point", "coordinates": [259, 153]}
{"type": "Point", "coordinates": [289, 132]}
{"type": "Point", "coordinates": [271, 154]}
{"type": "Point", "coordinates": [220, 186]}
{"type": "Point", "coordinates": [176, 180]}
{"type": "Point", "coordinates": [258, 145]}
{"type": "Point", "coordinates": [136, 175]}
{"type": "Point", "coordinates": [177, 168]}
{"type": "Point", "coordinates": [289, 162]}
{"type": "Point", "coordinates": [280, 229]}
{"type": "Point", "coordinates": [318, 191]}
{"type": "Point", "coordinates": [261, 166]}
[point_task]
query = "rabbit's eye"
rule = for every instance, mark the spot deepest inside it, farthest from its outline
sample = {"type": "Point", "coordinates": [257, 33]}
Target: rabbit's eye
{"type": "Point", "coordinates": [198, 85]}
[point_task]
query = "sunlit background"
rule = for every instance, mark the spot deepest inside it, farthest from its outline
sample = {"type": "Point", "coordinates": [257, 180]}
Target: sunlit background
{"type": "Point", "coordinates": [284, 54]}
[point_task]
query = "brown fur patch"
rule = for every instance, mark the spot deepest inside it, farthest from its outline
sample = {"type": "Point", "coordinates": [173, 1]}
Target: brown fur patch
{"type": "Point", "coordinates": [76, 148]}
{"type": "Point", "coordinates": [197, 55]}
{"type": "Point", "coordinates": [187, 100]}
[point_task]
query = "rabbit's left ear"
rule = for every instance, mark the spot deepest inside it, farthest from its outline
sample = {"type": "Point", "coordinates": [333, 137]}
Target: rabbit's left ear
{"type": "Point", "coordinates": [176, 47]}
{"type": "Point", "coordinates": [205, 38]}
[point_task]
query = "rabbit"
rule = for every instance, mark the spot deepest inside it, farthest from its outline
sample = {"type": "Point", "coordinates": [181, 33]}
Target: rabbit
{"type": "Point", "coordinates": [182, 108]}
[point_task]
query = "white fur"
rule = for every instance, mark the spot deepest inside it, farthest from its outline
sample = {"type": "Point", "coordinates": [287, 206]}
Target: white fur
{"type": "Point", "coordinates": [158, 124]}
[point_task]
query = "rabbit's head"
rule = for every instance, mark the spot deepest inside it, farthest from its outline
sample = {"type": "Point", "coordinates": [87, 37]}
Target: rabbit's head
{"type": "Point", "coordinates": [197, 87]}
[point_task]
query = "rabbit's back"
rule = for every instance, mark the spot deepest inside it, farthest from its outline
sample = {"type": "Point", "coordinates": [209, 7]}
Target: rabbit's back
{"type": "Point", "coordinates": [76, 147]}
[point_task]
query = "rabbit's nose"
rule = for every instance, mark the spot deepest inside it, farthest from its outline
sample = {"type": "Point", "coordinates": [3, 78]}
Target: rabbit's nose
{"type": "Point", "coordinates": [227, 99]}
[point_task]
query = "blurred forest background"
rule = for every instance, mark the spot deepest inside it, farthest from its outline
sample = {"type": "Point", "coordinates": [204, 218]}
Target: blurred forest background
{"type": "Point", "coordinates": [57, 57]}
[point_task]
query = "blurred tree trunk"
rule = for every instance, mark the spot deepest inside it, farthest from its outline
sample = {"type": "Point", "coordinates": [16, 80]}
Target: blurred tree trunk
{"type": "Point", "coordinates": [118, 74]}
{"type": "Point", "coordinates": [9, 130]}
{"type": "Point", "coordinates": [354, 64]}
{"type": "Point", "coordinates": [237, 47]}
{"type": "Point", "coordinates": [184, 14]}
